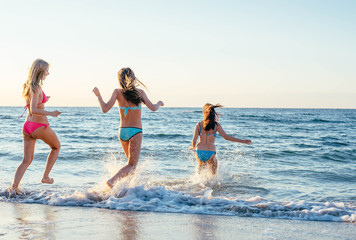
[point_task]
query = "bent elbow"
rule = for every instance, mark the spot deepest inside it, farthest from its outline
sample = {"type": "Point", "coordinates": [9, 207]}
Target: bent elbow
{"type": "Point", "coordinates": [153, 109]}
{"type": "Point", "coordinates": [104, 109]}
{"type": "Point", "coordinates": [34, 111]}
{"type": "Point", "coordinates": [157, 107]}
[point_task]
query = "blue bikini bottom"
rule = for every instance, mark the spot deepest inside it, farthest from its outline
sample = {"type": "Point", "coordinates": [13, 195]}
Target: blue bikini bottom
{"type": "Point", "coordinates": [205, 155]}
{"type": "Point", "coordinates": [126, 133]}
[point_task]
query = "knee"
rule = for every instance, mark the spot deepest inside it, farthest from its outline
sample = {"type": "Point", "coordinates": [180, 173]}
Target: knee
{"type": "Point", "coordinates": [56, 147]}
{"type": "Point", "coordinates": [132, 165]}
{"type": "Point", "coordinates": [27, 161]}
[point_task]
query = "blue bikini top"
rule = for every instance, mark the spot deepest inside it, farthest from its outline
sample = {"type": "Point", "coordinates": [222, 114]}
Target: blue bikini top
{"type": "Point", "coordinates": [132, 108]}
{"type": "Point", "coordinates": [214, 133]}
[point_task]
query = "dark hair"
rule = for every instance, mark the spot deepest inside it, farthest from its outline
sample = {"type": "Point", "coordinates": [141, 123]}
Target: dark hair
{"type": "Point", "coordinates": [128, 82]}
{"type": "Point", "coordinates": [210, 116]}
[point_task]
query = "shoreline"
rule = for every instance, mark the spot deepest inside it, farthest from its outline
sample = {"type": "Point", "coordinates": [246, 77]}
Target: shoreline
{"type": "Point", "coordinates": [32, 221]}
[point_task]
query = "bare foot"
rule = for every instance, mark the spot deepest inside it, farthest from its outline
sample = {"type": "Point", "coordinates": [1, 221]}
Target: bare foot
{"type": "Point", "coordinates": [109, 183]}
{"type": "Point", "coordinates": [12, 191]}
{"type": "Point", "coordinates": [47, 180]}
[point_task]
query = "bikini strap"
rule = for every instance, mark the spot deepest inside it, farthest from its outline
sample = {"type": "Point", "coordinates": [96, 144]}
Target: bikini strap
{"type": "Point", "coordinates": [23, 112]}
{"type": "Point", "coordinates": [126, 109]}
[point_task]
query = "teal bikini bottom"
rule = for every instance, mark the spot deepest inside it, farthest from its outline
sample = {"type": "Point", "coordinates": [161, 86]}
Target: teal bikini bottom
{"type": "Point", "coordinates": [126, 133]}
{"type": "Point", "coordinates": [205, 155]}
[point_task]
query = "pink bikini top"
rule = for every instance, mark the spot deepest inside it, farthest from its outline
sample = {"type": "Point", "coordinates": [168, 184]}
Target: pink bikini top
{"type": "Point", "coordinates": [44, 100]}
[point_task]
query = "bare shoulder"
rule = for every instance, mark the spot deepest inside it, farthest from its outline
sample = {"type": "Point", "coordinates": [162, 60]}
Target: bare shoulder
{"type": "Point", "coordinates": [141, 91]}
{"type": "Point", "coordinates": [218, 125]}
{"type": "Point", "coordinates": [37, 91]}
{"type": "Point", "coordinates": [118, 91]}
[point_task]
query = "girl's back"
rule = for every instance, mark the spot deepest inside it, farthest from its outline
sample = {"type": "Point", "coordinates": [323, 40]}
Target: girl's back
{"type": "Point", "coordinates": [206, 138]}
{"type": "Point", "coordinates": [130, 114]}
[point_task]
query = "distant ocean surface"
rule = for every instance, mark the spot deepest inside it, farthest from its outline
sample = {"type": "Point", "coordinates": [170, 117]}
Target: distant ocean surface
{"type": "Point", "coordinates": [301, 164]}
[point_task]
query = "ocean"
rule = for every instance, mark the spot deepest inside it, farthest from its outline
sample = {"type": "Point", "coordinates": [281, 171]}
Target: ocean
{"type": "Point", "coordinates": [301, 163]}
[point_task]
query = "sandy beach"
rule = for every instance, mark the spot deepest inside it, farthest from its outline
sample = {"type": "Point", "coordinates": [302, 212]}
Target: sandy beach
{"type": "Point", "coordinates": [34, 221]}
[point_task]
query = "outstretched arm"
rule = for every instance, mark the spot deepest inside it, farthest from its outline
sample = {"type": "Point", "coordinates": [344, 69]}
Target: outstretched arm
{"type": "Point", "coordinates": [230, 138]}
{"type": "Point", "coordinates": [195, 137]}
{"type": "Point", "coordinates": [105, 107]}
{"type": "Point", "coordinates": [149, 104]}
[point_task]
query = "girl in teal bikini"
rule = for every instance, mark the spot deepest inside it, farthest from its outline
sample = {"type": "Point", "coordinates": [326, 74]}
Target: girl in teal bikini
{"type": "Point", "coordinates": [129, 99]}
{"type": "Point", "coordinates": [206, 130]}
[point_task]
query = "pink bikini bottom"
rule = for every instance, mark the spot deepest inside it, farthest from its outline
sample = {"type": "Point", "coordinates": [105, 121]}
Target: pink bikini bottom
{"type": "Point", "coordinates": [29, 127]}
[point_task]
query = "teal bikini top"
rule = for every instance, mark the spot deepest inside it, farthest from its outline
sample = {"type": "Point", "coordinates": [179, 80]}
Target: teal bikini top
{"type": "Point", "coordinates": [132, 108]}
{"type": "Point", "coordinates": [214, 133]}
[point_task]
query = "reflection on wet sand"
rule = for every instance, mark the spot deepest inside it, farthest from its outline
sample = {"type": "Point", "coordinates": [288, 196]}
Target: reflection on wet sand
{"type": "Point", "coordinates": [30, 225]}
{"type": "Point", "coordinates": [204, 226]}
{"type": "Point", "coordinates": [33, 221]}
{"type": "Point", "coordinates": [128, 224]}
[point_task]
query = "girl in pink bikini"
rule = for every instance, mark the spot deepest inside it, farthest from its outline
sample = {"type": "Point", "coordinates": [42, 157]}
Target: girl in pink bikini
{"type": "Point", "coordinates": [36, 125]}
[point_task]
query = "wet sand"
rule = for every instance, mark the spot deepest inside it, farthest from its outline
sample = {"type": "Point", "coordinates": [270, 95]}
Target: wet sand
{"type": "Point", "coordinates": [34, 221]}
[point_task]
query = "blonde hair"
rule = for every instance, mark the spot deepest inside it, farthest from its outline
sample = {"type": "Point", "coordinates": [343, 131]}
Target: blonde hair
{"type": "Point", "coordinates": [128, 83]}
{"type": "Point", "coordinates": [35, 77]}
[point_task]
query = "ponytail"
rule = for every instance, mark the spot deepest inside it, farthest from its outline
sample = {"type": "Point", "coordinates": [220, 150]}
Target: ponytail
{"type": "Point", "coordinates": [128, 82]}
{"type": "Point", "coordinates": [210, 116]}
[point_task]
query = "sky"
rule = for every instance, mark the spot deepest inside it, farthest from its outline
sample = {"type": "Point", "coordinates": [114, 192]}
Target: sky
{"type": "Point", "coordinates": [253, 54]}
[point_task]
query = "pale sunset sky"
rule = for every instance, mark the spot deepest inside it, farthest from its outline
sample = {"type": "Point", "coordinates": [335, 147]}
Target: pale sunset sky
{"type": "Point", "coordinates": [259, 53]}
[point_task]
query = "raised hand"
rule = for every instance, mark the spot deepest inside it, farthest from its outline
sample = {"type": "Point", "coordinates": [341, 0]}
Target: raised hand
{"type": "Point", "coordinates": [96, 92]}
{"type": "Point", "coordinates": [160, 103]}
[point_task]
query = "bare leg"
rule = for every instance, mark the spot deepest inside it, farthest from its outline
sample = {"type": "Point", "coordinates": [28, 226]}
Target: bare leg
{"type": "Point", "coordinates": [134, 147]}
{"type": "Point", "coordinates": [48, 136]}
{"type": "Point", "coordinates": [201, 164]}
{"type": "Point", "coordinates": [28, 151]}
{"type": "Point", "coordinates": [213, 164]}
{"type": "Point", "coordinates": [125, 146]}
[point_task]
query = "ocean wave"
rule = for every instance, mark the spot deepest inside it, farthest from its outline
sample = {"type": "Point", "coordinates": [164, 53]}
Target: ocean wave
{"type": "Point", "coordinates": [160, 199]}
{"type": "Point", "coordinates": [304, 145]}
{"type": "Point", "coordinates": [192, 111]}
{"type": "Point", "coordinates": [318, 120]}
{"type": "Point", "coordinates": [2, 117]}
{"type": "Point", "coordinates": [339, 156]}
{"type": "Point", "coordinates": [264, 119]}
{"type": "Point", "coordinates": [166, 136]}
{"type": "Point", "coordinates": [335, 144]}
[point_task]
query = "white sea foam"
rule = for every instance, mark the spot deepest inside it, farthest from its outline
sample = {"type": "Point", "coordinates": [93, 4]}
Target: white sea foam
{"type": "Point", "coordinates": [194, 195]}
{"type": "Point", "coordinates": [160, 199]}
